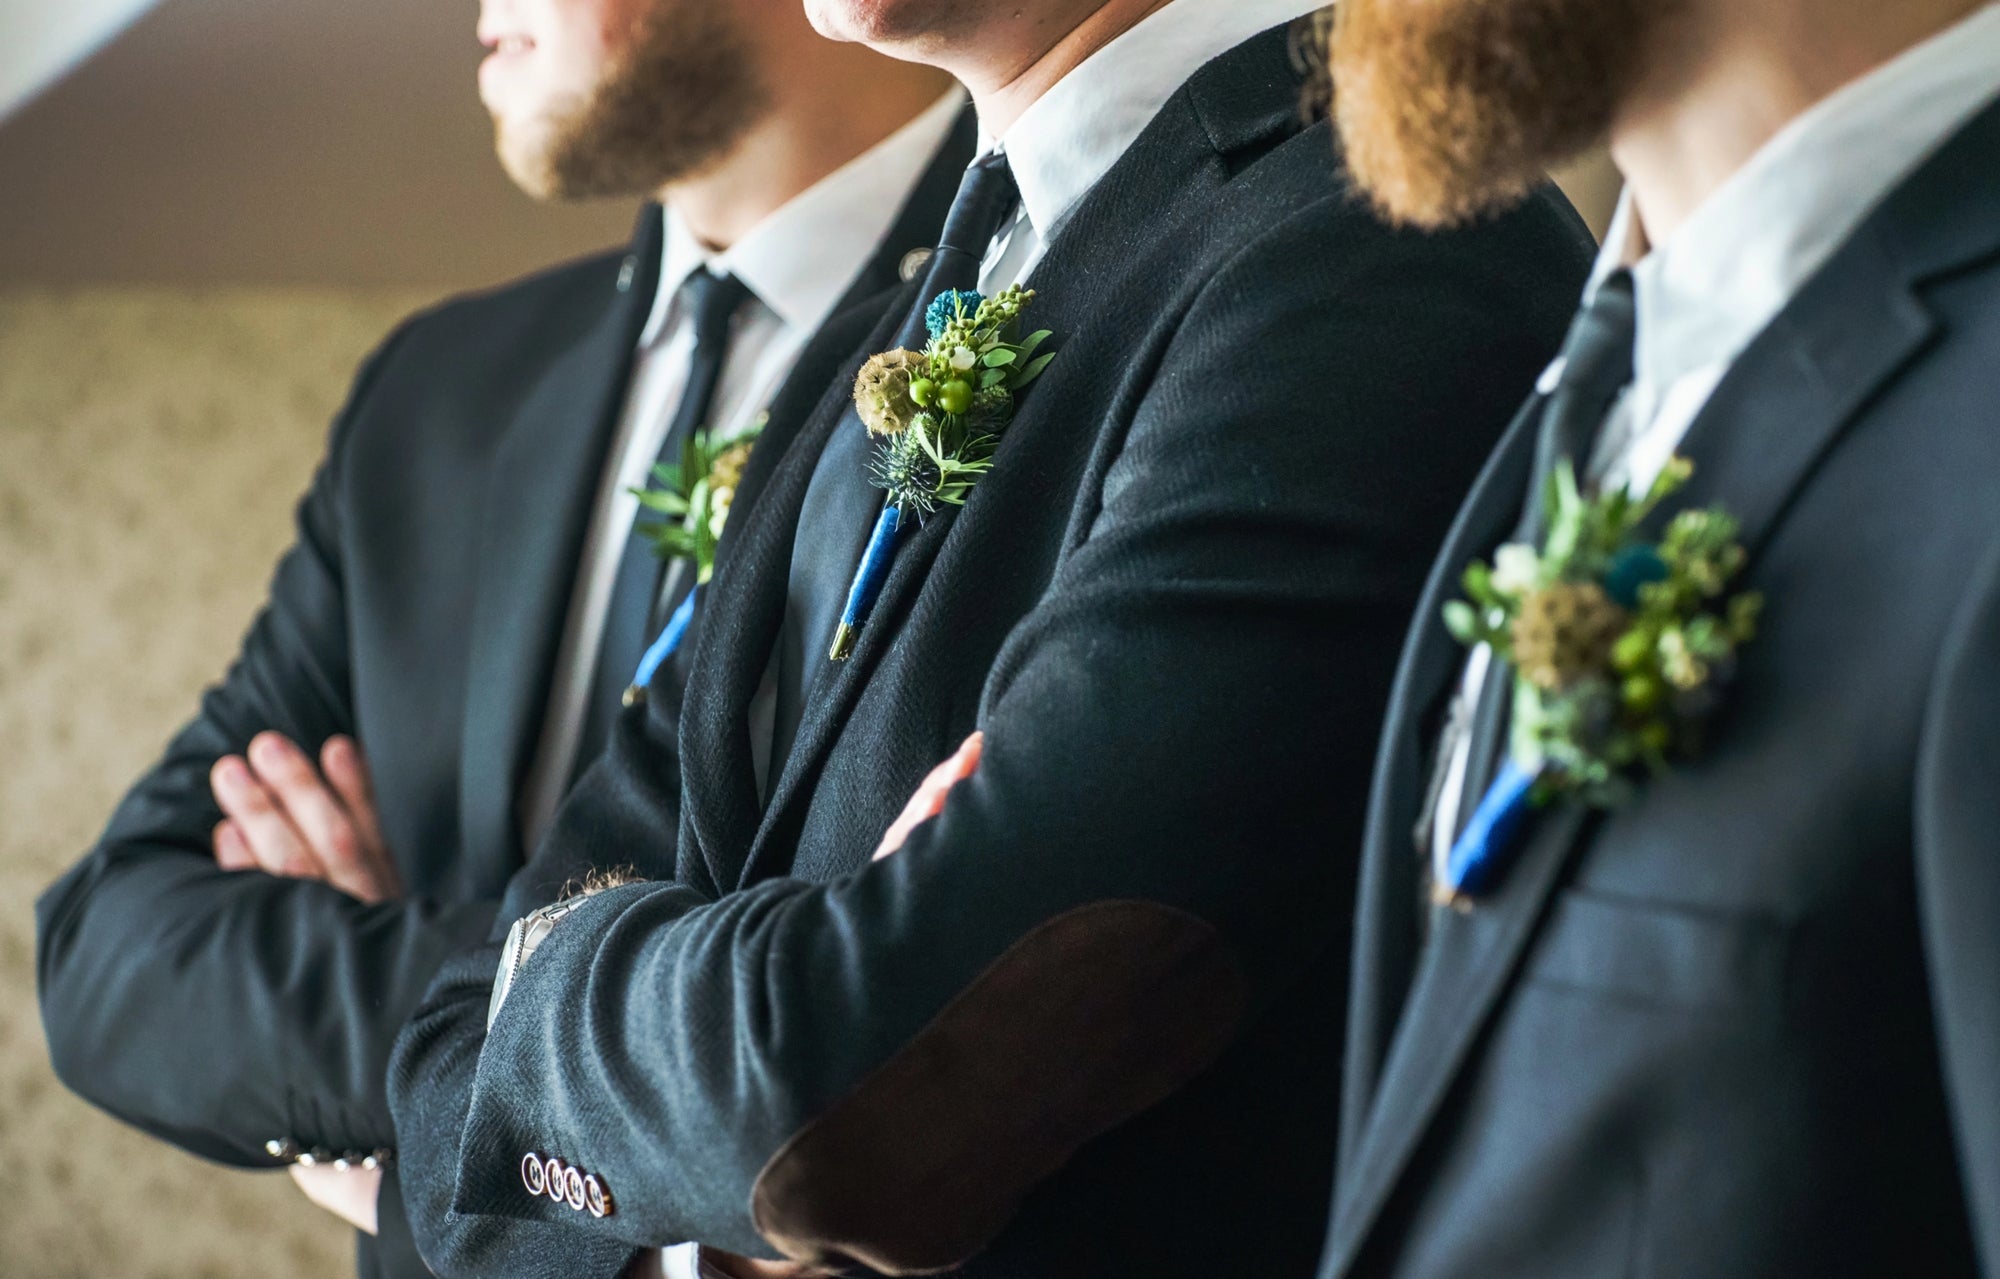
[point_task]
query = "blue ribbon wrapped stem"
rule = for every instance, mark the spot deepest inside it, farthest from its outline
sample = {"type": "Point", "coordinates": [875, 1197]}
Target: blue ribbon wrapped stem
{"type": "Point", "coordinates": [1483, 849]}
{"type": "Point", "coordinates": [663, 648]}
{"type": "Point", "coordinates": [868, 579]}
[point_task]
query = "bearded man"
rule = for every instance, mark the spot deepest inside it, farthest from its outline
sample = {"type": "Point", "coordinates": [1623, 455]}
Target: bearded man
{"type": "Point", "coordinates": [470, 594]}
{"type": "Point", "coordinates": [1721, 992]}
{"type": "Point", "coordinates": [1082, 1024]}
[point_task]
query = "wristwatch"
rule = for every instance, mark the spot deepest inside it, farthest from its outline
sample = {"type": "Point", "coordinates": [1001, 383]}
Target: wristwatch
{"type": "Point", "coordinates": [528, 932]}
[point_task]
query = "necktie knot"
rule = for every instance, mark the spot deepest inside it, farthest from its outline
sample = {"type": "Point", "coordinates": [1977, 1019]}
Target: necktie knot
{"type": "Point", "coordinates": [712, 301]}
{"type": "Point", "coordinates": [1598, 355]}
{"type": "Point", "coordinates": [1597, 364]}
{"type": "Point", "coordinates": [986, 197]}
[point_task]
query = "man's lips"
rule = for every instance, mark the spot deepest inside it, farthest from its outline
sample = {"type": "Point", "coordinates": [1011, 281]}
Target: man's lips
{"type": "Point", "coordinates": [507, 45]}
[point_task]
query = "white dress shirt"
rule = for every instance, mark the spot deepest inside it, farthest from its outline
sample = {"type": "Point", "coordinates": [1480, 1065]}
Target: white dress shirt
{"type": "Point", "coordinates": [797, 263]}
{"type": "Point", "coordinates": [1070, 137]}
{"type": "Point", "coordinates": [1705, 294]}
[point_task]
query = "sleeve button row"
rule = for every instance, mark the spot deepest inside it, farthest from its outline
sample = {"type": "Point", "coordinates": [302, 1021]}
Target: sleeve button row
{"type": "Point", "coordinates": [292, 1152]}
{"type": "Point", "coordinates": [564, 1184]}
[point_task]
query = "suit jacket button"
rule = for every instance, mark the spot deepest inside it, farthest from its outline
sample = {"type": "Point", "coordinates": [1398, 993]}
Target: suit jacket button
{"type": "Point", "coordinates": [532, 1174]}
{"type": "Point", "coordinates": [595, 1197]}
{"type": "Point", "coordinates": [573, 1189]}
{"type": "Point", "coordinates": [554, 1169]}
{"type": "Point", "coordinates": [913, 264]}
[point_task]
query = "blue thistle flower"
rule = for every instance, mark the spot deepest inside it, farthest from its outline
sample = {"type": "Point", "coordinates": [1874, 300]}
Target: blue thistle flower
{"type": "Point", "coordinates": [949, 305]}
{"type": "Point", "coordinates": [1632, 569]}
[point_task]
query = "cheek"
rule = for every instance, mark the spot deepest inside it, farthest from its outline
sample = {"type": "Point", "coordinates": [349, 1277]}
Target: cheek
{"type": "Point", "coordinates": [566, 63]}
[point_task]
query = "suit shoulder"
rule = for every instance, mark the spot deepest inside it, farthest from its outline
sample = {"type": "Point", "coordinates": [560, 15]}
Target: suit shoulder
{"type": "Point", "coordinates": [577, 287]}
{"type": "Point", "coordinates": [1290, 230]}
{"type": "Point", "coordinates": [1300, 187]}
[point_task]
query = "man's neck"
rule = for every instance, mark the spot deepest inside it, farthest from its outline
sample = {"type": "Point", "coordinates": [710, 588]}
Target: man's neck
{"type": "Point", "coordinates": [1006, 85]}
{"type": "Point", "coordinates": [797, 143]}
{"type": "Point", "coordinates": [1729, 76]}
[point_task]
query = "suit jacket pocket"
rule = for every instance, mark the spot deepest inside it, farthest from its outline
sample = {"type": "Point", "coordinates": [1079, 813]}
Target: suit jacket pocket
{"type": "Point", "coordinates": [1659, 953]}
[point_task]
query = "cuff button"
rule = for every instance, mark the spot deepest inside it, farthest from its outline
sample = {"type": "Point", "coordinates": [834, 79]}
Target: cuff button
{"type": "Point", "coordinates": [573, 1192]}
{"type": "Point", "coordinates": [533, 1176]}
{"type": "Point", "coordinates": [552, 1178]}
{"type": "Point", "coordinates": [595, 1197]}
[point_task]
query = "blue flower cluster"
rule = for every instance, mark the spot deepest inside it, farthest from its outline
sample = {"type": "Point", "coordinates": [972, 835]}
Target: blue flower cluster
{"type": "Point", "coordinates": [949, 305]}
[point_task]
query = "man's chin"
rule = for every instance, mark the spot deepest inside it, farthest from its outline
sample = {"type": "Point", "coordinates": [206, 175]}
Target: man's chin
{"type": "Point", "coordinates": [899, 28]}
{"type": "Point", "coordinates": [527, 161]}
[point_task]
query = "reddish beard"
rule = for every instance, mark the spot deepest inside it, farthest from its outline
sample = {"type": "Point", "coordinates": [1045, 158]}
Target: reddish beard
{"type": "Point", "coordinates": [680, 96]}
{"type": "Point", "coordinates": [1452, 109]}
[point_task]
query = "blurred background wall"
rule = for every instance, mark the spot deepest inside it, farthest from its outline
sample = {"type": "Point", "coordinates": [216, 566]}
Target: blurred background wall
{"type": "Point", "coordinates": [204, 225]}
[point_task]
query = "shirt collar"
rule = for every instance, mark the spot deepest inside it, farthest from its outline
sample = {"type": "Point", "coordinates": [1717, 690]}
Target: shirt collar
{"type": "Point", "coordinates": [1072, 135]}
{"type": "Point", "coordinates": [1705, 294]}
{"type": "Point", "coordinates": [800, 259]}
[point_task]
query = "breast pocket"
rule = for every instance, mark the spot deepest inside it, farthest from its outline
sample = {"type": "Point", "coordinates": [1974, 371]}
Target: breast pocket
{"type": "Point", "coordinates": [1662, 954]}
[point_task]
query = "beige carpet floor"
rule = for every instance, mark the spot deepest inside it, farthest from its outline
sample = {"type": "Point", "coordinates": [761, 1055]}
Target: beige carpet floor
{"type": "Point", "coordinates": [151, 447]}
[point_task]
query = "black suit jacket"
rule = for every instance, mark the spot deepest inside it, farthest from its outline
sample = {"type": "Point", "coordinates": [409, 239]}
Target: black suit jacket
{"type": "Point", "coordinates": [1748, 1025]}
{"type": "Point", "coordinates": [420, 610]}
{"type": "Point", "coordinates": [1086, 1023]}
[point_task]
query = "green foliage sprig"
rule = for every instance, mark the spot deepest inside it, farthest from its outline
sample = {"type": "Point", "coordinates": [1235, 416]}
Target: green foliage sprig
{"type": "Point", "coordinates": [693, 501]}
{"type": "Point", "coordinates": [1618, 644]}
{"type": "Point", "coordinates": [941, 411]}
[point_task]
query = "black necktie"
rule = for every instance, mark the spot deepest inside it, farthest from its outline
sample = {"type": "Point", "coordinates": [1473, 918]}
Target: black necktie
{"type": "Point", "coordinates": [638, 606]}
{"type": "Point", "coordinates": [841, 506]}
{"type": "Point", "coordinates": [1596, 366]}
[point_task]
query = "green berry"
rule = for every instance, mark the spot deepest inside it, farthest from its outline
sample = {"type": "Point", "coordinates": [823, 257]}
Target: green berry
{"type": "Point", "coordinates": [923, 391]}
{"type": "Point", "coordinates": [1628, 654]}
{"type": "Point", "coordinates": [1655, 738]}
{"type": "Point", "coordinates": [1643, 694]}
{"type": "Point", "coordinates": [955, 396]}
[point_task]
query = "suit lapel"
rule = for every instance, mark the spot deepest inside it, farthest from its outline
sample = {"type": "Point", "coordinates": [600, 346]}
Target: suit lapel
{"type": "Point", "coordinates": [1386, 932]}
{"type": "Point", "coordinates": [1783, 406]}
{"type": "Point", "coordinates": [538, 500]}
{"type": "Point", "coordinates": [1227, 106]}
{"type": "Point", "coordinates": [745, 603]}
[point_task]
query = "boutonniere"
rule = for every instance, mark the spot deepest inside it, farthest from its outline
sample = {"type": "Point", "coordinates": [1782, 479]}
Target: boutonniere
{"type": "Point", "coordinates": [938, 415]}
{"type": "Point", "coordinates": [690, 505]}
{"type": "Point", "coordinates": [1619, 647]}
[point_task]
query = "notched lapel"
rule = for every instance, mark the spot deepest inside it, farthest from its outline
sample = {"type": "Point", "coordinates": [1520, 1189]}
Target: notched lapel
{"type": "Point", "coordinates": [746, 603]}
{"type": "Point", "coordinates": [537, 503]}
{"type": "Point", "coordinates": [745, 609]}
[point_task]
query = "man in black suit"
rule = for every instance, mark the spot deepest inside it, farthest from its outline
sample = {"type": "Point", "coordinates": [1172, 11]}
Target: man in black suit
{"type": "Point", "coordinates": [1744, 1020]}
{"type": "Point", "coordinates": [1084, 1023]}
{"type": "Point", "coordinates": [458, 602]}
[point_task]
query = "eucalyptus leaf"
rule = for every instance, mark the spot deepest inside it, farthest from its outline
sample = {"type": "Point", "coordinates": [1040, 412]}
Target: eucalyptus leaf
{"type": "Point", "coordinates": [1030, 371]}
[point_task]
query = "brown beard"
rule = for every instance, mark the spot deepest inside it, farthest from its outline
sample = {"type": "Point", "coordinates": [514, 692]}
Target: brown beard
{"type": "Point", "coordinates": [683, 93]}
{"type": "Point", "coordinates": [1452, 109]}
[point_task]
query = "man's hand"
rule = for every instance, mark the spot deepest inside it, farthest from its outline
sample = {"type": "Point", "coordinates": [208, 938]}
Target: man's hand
{"type": "Point", "coordinates": [285, 817]}
{"type": "Point", "coordinates": [928, 802]}
{"type": "Point", "coordinates": [347, 1193]}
